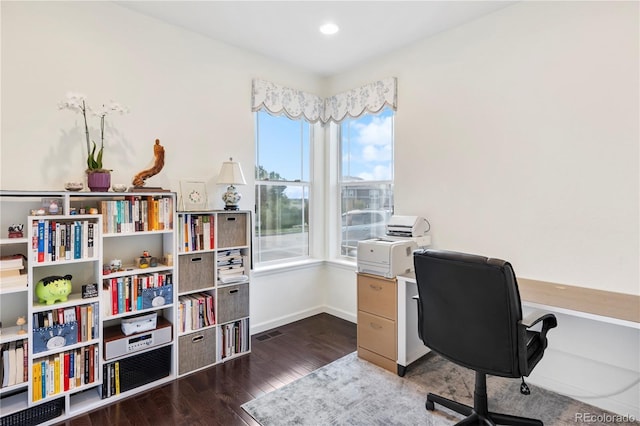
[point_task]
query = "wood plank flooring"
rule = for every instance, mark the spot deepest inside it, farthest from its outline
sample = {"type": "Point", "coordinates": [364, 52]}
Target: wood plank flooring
{"type": "Point", "coordinates": [214, 396]}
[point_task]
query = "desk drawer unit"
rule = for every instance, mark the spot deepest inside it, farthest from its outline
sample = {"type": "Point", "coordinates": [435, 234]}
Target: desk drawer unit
{"type": "Point", "coordinates": [377, 334]}
{"type": "Point", "coordinates": [377, 295]}
{"type": "Point", "coordinates": [197, 350]}
{"type": "Point", "coordinates": [377, 320]}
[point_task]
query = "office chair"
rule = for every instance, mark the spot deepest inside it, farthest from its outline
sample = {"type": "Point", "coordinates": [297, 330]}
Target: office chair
{"type": "Point", "coordinates": [469, 312]}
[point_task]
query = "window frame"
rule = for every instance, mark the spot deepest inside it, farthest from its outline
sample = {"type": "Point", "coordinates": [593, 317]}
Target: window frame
{"type": "Point", "coordinates": [306, 187]}
{"type": "Point", "coordinates": [344, 185]}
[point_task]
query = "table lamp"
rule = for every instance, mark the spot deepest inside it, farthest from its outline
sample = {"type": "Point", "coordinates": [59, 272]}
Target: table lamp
{"type": "Point", "coordinates": [231, 174]}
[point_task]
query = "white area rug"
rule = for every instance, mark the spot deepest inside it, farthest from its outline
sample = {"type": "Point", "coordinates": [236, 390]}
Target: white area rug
{"type": "Point", "coordinates": [351, 391]}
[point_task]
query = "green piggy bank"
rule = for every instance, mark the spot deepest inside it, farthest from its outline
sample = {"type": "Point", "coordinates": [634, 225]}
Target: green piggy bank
{"type": "Point", "coordinates": [53, 288]}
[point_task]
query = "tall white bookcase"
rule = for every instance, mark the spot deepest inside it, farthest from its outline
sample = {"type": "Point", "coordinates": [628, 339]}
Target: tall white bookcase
{"type": "Point", "coordinates": [123, 226]}
{"type": "Point", "coordinates": [214, 265]}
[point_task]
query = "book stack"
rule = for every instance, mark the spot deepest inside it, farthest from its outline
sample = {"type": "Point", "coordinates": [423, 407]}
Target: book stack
{"type": "Point", "coordinates": [110, 379]}
{"type": "Point", "coordinates": [233, 339]}
{"type": "Point", "coordinates": [13, 362]}
{"type": "Point", "coordinates": [196, 311]}
{"type": "Point", "coordinates": [64, 371]}
{"type": "Point", "coordinates": [11, 272]}
{"type": "Point", "coordinates": [127, 294]}
{"type": "Point", "coordinates": [65, 326]}
{"type": "Point", "coordinates": [196, 232]}
{"type": "Point", "coordinates": [62, 240]}
{"type": "Point", "coordinates": [137, 214]}
{"type": "Point", "coordinates": [231, 266]}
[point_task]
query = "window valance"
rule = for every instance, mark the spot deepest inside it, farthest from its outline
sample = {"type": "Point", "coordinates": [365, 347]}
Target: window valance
{"type": "Point", "coordinates": [296, 104]}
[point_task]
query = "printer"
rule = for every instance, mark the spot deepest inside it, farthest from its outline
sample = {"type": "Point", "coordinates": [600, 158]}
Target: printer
{"type": "Point", "coordinates": [407, 226]}
{"type": "Point", "coordinates": [388, 258]}
{"type": "Point", "coordinates": [400, 228]}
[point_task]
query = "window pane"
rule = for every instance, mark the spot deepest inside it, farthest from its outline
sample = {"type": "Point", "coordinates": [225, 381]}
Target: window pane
{"type": "Point", "coordinates": [282, 222]}
{"type": "Point", "coordinates": [367, 147]}
{"type": "Point", "coordinates": [282, 149]}
{"type": "Point", "coordinates": [366, 178]}
{"type": "Point", "coordinates": [366, 209]}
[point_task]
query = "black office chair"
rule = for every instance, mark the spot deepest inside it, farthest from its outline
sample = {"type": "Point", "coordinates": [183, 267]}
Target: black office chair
{"type": "Point", "coordinates": [469, 312]}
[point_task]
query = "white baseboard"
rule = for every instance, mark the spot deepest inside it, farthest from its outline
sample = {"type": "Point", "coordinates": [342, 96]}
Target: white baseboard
{"type": "Point", "coordinates": [297, 316]}
{"type": "Point", "coordinates": [286, 319]}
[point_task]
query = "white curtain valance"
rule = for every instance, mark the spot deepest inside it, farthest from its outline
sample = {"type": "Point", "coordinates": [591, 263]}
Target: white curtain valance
{"type": "Point", "coordinates": [296, 104]}
{"type": "Point", "coordinates": [372, 97]}
{"type": "Point", "coordinates": [277, 100]}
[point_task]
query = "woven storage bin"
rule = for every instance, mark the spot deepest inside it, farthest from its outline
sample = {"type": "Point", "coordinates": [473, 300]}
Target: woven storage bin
{"type": "Point", "coordinates": [232, 230]}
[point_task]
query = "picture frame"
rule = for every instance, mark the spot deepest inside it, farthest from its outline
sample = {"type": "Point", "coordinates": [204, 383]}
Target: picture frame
{"type": "Point", "coordinates": [193, 195]}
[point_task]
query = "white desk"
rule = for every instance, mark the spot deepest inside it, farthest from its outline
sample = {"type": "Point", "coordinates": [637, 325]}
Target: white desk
{"type": "Point", "coordinates": [614, 308]}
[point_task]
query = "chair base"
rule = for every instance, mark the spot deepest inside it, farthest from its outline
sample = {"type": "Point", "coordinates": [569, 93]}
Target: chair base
{"type": "Point", "coordinates": [479, 414]}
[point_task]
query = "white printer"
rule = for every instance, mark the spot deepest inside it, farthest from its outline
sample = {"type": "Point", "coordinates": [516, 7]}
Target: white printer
{"type": "Point", "coordinates": [388, 258]}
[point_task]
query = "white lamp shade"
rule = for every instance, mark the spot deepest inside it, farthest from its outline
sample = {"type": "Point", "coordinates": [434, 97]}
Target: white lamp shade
{"type": "Point", "coordinates": [231, 173]}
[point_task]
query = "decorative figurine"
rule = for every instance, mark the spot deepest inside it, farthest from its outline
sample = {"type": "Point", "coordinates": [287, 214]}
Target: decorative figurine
{"type": "Point", "coordinates": [53, 207]}
{"type": "Point", "coordinates": [21, 322]}
{"type": "Point", "coordinates": [158, 164]}
{"type": "Point", "coordinates": [15, 230]}
{"type": "Point", "coordinates": [53, 288]}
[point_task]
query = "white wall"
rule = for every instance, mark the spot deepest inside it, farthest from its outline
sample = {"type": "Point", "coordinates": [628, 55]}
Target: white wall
{"type": "Point", "coordinates": [192, 93]}
{"type": "Point", "coordinates": [517, 137]}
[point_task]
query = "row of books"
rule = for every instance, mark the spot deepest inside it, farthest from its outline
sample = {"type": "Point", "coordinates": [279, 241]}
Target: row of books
{"type": "Point", "coordinates": [64, 371]}
{"type": "Point", "coordinates": [110, 379]}
{"type": "Point", "coordinates": [196, 311]}
{"type": "Point", "coordinates": [196, 232]}
{"type": "Point", "coordinates": [233, 339]}
{"type": "Point", "coordinates": [14, 361]}
{"type": "Point", "coordinates": [125, 294]}
{"type": "Point", "coordinates": [83, 320]}
{"type": "Point", "coordinates": [230, 264]}
{"type": "Point", "coordinates": [62, 240]}
{"type": "Point", "coordinates": [12, 270]}
{"type": "Point", "coordinates": [137, 214]}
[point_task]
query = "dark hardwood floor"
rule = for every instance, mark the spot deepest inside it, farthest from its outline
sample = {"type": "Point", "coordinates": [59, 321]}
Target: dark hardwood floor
{"type": "Point", "coordinates": [214, 396]}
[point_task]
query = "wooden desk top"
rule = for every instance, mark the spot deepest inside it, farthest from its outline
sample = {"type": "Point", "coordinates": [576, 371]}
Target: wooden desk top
{"type": "Point", "coordinates": [598, 302]}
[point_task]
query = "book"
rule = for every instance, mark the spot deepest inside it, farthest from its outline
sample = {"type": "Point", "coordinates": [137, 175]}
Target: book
{"type": "Point", "coordinates": [13, 263]}
{"type": "Point", "coordinates": [19, 365]}
{"type": "Point", "coordinates": [36, 382]}
{"type": "Point", "coordinates": [11, 364]}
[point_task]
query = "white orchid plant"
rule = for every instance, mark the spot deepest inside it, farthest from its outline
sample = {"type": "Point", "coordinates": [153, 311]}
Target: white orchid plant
{"type": "Point", "coordinates": [77, 102]}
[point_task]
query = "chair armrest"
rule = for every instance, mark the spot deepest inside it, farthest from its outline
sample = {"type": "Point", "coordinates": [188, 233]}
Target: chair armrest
{"type": "Point", "coordinates": [549, 321]}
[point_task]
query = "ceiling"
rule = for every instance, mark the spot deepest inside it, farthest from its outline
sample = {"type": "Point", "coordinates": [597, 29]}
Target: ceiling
{"type": "Point", "coordinates": [288, 30]}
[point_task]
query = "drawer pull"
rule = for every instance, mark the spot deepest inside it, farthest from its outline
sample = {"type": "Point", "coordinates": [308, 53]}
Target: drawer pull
{"type": "Point", "coordinates": [197, 339]}
{"type": "Point", "coordinates": [196, 259]}
{"type": "Point", "coordinates": [231, 218]}
{"type": "Point", "coordinates": [233, 291]}
{"type": "Point", "coordinates": [375, 326]}
{"type": "Point", "coordinates": [375, 287]}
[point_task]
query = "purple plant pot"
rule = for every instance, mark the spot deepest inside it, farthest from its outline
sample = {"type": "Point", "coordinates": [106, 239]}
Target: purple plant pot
{"type": "Point", "coordinates": [99, 181]}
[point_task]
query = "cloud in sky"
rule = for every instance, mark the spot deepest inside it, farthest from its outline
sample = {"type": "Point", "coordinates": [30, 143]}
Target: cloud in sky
{"type": "Point", "coordinates": [379, 173]}
{"type": "Point", "coordinates": [376, 138]}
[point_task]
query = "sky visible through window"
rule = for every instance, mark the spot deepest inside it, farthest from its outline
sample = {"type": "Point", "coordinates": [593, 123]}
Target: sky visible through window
{"type": "Point", "coordinates": [366, 148]}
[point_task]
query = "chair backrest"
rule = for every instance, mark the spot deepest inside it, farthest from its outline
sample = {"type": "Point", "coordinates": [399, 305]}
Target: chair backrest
{"type": "Point", "coordinates": [470, 308]}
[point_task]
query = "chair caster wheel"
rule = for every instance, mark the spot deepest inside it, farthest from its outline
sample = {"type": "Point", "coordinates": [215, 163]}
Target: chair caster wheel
{"type": "Point", "coordinates": [430, 405]}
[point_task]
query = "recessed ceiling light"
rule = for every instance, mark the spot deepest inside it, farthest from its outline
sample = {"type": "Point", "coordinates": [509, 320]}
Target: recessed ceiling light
{"type": "Point", "coordinates": [329, 28]}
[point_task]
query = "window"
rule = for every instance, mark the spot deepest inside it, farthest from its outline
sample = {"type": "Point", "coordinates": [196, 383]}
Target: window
{"type": "Point", "coordinates": [283, 159]}
{"type": "Point", "coordinates": [366, 178]}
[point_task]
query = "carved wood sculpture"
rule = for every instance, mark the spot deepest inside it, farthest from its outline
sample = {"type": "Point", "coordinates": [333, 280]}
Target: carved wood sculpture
{"type": "Point", "coordinates": [158, 163]}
